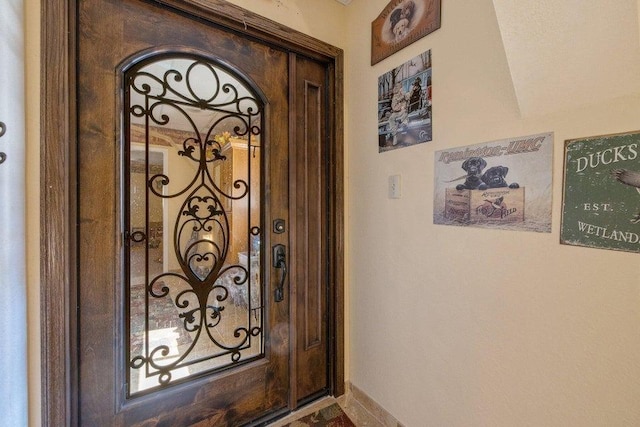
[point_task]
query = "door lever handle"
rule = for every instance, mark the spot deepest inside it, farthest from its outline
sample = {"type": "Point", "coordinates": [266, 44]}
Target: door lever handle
{"type": "Point", "coordinates": [279, 259]}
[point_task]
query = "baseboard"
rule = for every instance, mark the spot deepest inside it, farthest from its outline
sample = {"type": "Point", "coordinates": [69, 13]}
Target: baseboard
{"type": "Point", "coordinates": [373, 407]}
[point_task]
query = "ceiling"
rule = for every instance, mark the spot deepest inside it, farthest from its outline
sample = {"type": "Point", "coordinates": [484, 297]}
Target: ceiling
{"type": "Point", "coordinates": [564, 54]}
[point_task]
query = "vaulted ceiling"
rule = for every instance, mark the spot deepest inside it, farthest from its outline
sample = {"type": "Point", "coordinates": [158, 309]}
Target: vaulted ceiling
{"type": "Point", "coordinates": [564, 54]}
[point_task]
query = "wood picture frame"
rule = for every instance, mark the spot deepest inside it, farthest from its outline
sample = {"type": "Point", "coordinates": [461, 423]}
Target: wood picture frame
{"type": "Point", "coordinates": [401, 23]}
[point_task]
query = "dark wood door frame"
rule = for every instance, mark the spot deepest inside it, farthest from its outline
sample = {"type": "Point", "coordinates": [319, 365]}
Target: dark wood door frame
{"type": "Point", "coordinates": [58, 186]}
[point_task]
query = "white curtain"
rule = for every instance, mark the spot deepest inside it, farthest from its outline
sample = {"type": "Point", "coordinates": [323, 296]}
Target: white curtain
{"type": "Point", "coordinates": [13, 323]}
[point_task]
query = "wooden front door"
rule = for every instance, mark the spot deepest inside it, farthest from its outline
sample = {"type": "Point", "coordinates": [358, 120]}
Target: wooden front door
{"type": "Point", "coordinates": [203, 262]}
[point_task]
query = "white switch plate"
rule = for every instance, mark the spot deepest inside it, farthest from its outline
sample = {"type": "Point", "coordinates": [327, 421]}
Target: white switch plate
{"type": "Point", "coordinates": [395, 190]}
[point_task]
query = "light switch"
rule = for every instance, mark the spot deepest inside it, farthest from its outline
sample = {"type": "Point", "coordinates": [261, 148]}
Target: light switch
{"type": "Point", "coordinates": [394, 187]}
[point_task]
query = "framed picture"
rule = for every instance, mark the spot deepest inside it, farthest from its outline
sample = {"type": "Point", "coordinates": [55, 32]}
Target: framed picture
{"type": "Point", "coordinates": [601, 197]}
{"type": "Point", "coordinates": [404, 104]}
{"type": "Point", "coordinates": [401, 23]}
{"type": "Point", "coordinates": [505, 184]}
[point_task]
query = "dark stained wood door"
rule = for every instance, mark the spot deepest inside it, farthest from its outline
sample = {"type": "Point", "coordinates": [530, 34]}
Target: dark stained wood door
{"type": "Point", "coordinates": [112, 34]}
{"type": "Point", "coordinates": [309, 193]}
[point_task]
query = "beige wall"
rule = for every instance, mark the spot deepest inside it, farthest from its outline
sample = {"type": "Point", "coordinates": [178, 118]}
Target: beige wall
{"type": "Point", "coordinates": [322, 19]}
{"type": "Point", "coordinates": [457, 326]}
{"type": "Point", "coordinates": [531, 333]}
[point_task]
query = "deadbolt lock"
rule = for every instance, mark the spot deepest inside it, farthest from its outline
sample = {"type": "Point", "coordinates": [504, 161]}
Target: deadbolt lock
{"type": "Point", "coordinates": [279, 226]}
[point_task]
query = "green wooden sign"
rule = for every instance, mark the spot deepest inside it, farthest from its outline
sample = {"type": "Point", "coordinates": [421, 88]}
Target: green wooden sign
{"type": "Point", "coordinates": [601, 201]}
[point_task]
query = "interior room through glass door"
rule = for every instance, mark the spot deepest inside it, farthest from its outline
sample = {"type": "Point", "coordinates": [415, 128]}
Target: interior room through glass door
{"type": "Point", "coordinates": [192, 220]}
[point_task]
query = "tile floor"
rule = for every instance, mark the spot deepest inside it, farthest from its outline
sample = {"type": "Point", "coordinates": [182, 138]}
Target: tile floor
{"type": "Point", "coordinates": [356, 412]}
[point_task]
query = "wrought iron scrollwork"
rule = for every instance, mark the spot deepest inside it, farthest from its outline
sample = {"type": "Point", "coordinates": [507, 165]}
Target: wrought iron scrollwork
{"type": "Point", "coordinates": [3, 129]}
{"type": "Point", "coordinates": [199, 290]}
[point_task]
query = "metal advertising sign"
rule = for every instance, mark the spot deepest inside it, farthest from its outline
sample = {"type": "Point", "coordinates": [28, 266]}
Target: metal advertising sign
{"type": "Point", "coordinates": [502, 184]}
{"type": "Point", "coordinates": [401, 23]}
{"type": "Point", "coordinates": [601, 201]}
{"type": "Point", "coordinates": [404, 104]}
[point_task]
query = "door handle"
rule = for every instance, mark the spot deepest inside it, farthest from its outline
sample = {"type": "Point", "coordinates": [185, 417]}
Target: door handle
{"type": "Point", "coordinates": [279, 259]}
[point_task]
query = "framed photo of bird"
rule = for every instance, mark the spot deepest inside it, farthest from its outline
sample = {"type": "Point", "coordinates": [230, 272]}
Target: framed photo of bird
{"type": "Point", "coordinates": [601, 197]}
{"type": "Point", "coordinates": [401, 23]}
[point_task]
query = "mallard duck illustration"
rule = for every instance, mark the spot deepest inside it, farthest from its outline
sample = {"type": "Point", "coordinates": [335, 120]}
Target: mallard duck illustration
{"type": "Point", "coordinates": [632, 179]}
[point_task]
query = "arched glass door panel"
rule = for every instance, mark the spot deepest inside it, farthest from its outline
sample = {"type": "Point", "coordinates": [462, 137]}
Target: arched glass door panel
{"type": "Point", "coordinates": [192, 179]}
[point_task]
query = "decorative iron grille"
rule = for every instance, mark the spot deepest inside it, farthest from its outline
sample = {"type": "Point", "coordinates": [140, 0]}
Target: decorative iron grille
{"type": "Point", "coordinates": [3, 129]}
{"type": "Point", "coordinates": [200, 310]}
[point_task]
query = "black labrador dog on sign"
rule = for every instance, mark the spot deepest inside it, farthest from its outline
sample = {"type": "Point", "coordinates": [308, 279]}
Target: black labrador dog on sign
{"type": "Point", "coordinates": [473, 166]}
{"type": "Point", "coordinates": [494, 178]}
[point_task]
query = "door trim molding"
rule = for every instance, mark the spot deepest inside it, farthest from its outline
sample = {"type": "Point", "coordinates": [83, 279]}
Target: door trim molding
{"type": "Point", "coordinates": [58, 186]}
